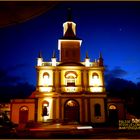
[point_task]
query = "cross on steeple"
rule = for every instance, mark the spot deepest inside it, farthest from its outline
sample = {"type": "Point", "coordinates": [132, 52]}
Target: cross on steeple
{"type": "Point", "coordinates": [69, 14]}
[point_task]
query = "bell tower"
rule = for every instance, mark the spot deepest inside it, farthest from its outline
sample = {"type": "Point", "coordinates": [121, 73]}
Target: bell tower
{"type": "Point", "coordinates": [69, 44]}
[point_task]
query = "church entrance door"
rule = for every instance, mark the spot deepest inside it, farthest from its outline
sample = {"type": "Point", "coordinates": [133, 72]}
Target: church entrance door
{"type": "Point", "coordinates": [113, 116]}
{"type": "Point", "coordinates": [23, 115]}
{"type": "Point", "coordinates": [71, 111]}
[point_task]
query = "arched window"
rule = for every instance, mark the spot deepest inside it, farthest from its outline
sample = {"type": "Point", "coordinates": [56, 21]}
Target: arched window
{"type": "Point", "coordinates": [97, 108]}
{"type": "Point", "coordinates": [45, 106]}
{"type": "Point", "coordinates": [46, 78]}
{"type": "Point", "coordinates": [71, 78]}
{"type": "Point", "coordinates": [70, 81]}
{"type": "Point", "coordinates": [95, 76]}
{"type": "Point", "coordinates": [95, 79]}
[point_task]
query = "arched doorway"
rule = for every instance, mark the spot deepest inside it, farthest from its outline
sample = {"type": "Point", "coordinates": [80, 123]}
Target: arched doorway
{"type": "Point", "coordinates": [23, 114]}
{"type": "Point", "coordinates": [113, 115]}
{"type": "Point", "coordinates": [71, 111]}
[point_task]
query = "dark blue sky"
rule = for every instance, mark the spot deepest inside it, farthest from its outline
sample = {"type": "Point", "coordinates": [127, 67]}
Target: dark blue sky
{"type": "Point", "coordinates": [110, 27]}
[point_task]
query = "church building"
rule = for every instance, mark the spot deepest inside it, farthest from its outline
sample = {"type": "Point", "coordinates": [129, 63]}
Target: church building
{"type": "Point", "coordinates": [67, 89]}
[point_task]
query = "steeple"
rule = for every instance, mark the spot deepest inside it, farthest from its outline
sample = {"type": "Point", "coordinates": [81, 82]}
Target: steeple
{"type": "Point", "coordinates": [40, 54]}
{"type": "Point", "coordinates": [53, 59]}
{"type": "Point", "coordinates": [69, 27]}
{"type": "Point", "coordinates": [87, 60]}
{"type": "Point", "coordinates": [39, 59]}
{"type": "Point", "coordinates": [87, 55]}
{"type": "Point", "coordinates": [69, 44]}
{"type": "Point", "coordinates": [54, 56]}
{"type": "Point", "coordinates": [100, 60]}
{"type": "Point", "coordinates": [100, 55]}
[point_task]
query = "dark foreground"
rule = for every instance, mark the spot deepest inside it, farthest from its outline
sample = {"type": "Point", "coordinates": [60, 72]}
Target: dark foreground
{"type": "Point", "coordinates": [58, 131]}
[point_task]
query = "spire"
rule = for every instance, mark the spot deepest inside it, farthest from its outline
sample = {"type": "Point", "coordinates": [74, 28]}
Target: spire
{"type": "Point", "coordinates": [69, 16]}
{"type": "Point", "coordinates": [53, 59]}
{"type": "Point", "coordinates": [100, 60]}
{"type": "Point", "coordinates": [87, 60]}
{"type": "Point", "coordinates": [100, 55]}
{"type": "Point", "coordinates": [39, 59]}
{"type": "Point", "coordinates": [87, 55]}
{"type": "Point", "coordinates": [54, 56]}
{"type": "Point", "coordinates": [69, 27]}
{"type": "Point", "coordinates": [40, 54]}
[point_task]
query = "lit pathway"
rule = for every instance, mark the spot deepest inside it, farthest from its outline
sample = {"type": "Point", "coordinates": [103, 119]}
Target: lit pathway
{"type": "Point", "coordinates": [59, 127]}
{"type": "Point", "coordinates": [70, 131]}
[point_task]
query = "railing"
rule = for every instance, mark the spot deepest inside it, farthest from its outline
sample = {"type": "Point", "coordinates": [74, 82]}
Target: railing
{"type": "Point", "coordinates": [92, 64]}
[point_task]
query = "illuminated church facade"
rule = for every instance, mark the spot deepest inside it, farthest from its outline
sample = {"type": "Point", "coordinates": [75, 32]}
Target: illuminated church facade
{"type": "Point", "coordinates": [68, 89]}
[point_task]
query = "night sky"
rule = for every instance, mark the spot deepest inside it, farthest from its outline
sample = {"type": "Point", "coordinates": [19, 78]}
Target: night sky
{"type": "Point", "coordinates": [110, 27]}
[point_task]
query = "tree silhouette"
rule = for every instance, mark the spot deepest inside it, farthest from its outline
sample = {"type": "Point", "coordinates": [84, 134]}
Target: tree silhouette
{"type": "Point", "coordinates": [127, 90]}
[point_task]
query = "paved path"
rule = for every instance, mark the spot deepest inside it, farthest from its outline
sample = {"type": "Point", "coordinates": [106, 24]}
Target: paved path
{"type": "Point", "coordinates": [69, 131]}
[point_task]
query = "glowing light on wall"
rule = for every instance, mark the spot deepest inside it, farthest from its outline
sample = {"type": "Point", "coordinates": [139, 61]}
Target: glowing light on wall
{"type": "Point", "coordinates": [45, 104]}
{"type": "Point", "coordinates": [113, 107]}
{"type": "Point", "coordinates": [45, 118]}
{"type": "Point", "coordinates": [70, 89]}
{"type": "Point", "coordinates": [45, 89]}
{"type": "Point", "coordinates": [96, 89]}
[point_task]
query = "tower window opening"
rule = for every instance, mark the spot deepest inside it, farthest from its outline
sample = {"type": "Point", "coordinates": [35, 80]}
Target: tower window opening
{"type": "Point", "coordinates": [46, 79]}
{"type": "Point", "coordinates": [95, 79]}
